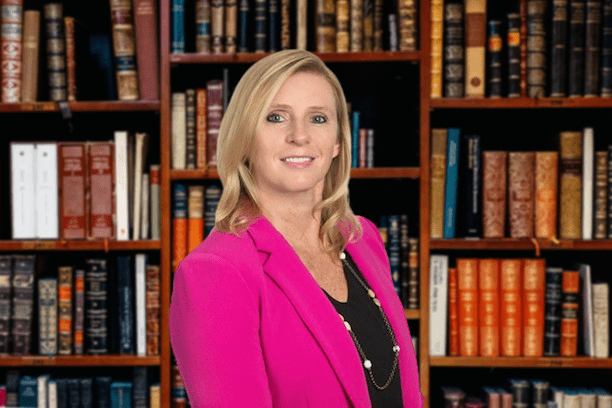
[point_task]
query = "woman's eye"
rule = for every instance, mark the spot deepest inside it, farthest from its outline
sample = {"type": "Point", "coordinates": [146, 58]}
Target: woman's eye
{"type": "Point", "coordinates": [320, 119]}
{"type": "Point", "coordinates": [274, 117]}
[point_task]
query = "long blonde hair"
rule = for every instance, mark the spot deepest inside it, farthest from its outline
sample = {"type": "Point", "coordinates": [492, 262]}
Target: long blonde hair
{"type": "Point", "coordinates": [239, 204]}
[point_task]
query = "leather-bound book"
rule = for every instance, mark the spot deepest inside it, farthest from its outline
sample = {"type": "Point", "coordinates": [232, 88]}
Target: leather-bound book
{"type": "Point", "coordinates": [153, 310]}
{"type": "Point", "coordinates": [601, 195]}
{"type": "Point", "coordinates": [523, 46]}
{"type": "Point", "coordinates": [102, 190]}
{"type": "Point", "coordinates": [592, 48]}
{"type": "Point", "coordinates": [473, 187]}
{"type": "Point", "coordinates": [407, 25]}
{"type": "Point", "coordinates": [286, 23]}
{"type": "Point", "coordinates": [521, 180]}
{"type": "Point", "coordinates": [413, 273]}
{"type": "Point", "coordinates": [467, 297]}
{"type": "Point", "coordinates": [437, 23]}
{"type": "Point", "coordinates": [231, 26]}
{"type": "Point", "coordinates": [216, 11]}
{"type": "Point", "coordinates": [47, 316]}
{"type": "Point", "coordinates": [576, 48]}
{"type": "Point", "coordinates": [214, 95]}
{"type": "Point", "coordinates": [570, 174]}
{"type": "Point", "coordinates": [510, 323]}
{"type": "Point", "coordinates": [64, 283]}
{"type": "Point", "coordinates": [438, 177]}
{"type": "Point", "coordinates": [73, 185]}
{"type": "Point", "coordinates": [190, 129]}
{"type": "Point", "coordinates": [96, 306]}
{"type": "Point", "coordinates": [356, 25]}
{"type": "Point", "coordinates": [609, 209]}
{"type": "Point", "coordinates": [6, 272]}
{"type": "Point", "coordinates": [31, 49]}
{"type": "Point", "coordinates": [56, 51]}
{"type": "Point", "coordinates": [378, 25]}
{"type": "Point", "coordinates": [606, 49]}
{"type": "Point", "coordinates": [204, 26]}
{"type": "Point", "coordinates": [11, 42]}
{"type": "Point", "coordinates": [124, 48]}
{"type": "Point", "coordinates": [546, 178]}
{"type": "Point", "coordinates": [326, 25]}
{"type": "Point", "coordinates": [514, 55]}
{"type": "Point", "coordinates": [22, 308]}
{"type": "Point", "coordinates": [453, 51]}
{"type": "Point", "coordinates": [145, 23]}
{"type": "Point", "coordinates": [342, 26]}
{"type": "Point", "coordinates": [79, 310]}
{"type": "Point", "coordinates": [569, 313]}
{"type": "Point", "coordinates": [552, 311]}
{"type": "Point", "coordinates": [195, 214]}
{"type": "Point", "coordinates": [475, 48]}
{"type": "Point", "coordinates": [368, 25]}
{"type": "Point", "coordinates": [494, 73]}
{"type": "Point", "coordinates": [71, 85]}
{"type": "Point", "coordinates": [488, 304]}
{"type": "Point", "coordinates": [534, 282]}
{"type": "Point", "coordinates": [536, 48]}
{"type": "Point", "coordinates": [453, 313]}
{"type": "Point", "coordinates": [494, 194]}
{"type": "Point", "coordinates": [179, 224]}
{"type": "Point", "coordinates": [601, 319]}
{"type": "Point", "coordinates": [558, 62]}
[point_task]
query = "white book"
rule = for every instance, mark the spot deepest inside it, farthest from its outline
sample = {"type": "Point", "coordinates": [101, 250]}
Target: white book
{"type": "Point", "coordinates": [588, 398]}
{"type": "Point", "coordinates": [121, 185]}
{"type": "Point", "coordinates": [557, 395]}
{"type": "Point", "coordinates": [604, 398]}
{"type": "Point", "coordinates": [601, 322]}
{"type": "Point", "coordinates": [571, 398]}
{"type": "Point", "coordinates": [588, 157]}
{"type": "Point", "coordinates": [179, 131]}
{"type": "Point", "coordinates": [52, 388]}
{"type": "Point", "coordinates": [23, 190]}
{"type": "Point", "coordinates": [154, 193]}
{"type": "Point", "coordinates": [144, 222]}
{"type": "Point", "coordinates": [438, 304]}
{"type": "Point", "coordinates": [141, 305]}
{"type": "Point", "coordinates": [139, 159]}
{"type": "Point", "coordinates": [47, 197]}
{"type": "Point", "coordinates": [587, 308]}
{"type": "Point", "coordinates": [42, 393]}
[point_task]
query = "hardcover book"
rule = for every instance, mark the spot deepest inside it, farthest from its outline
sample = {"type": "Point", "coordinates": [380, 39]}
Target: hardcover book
{"type": "Point", "coordinates": [488, 305]}
{"type": "Point", "coordinates": [576, 48]}
{"type": "Point", "coordinates": [145, 24]}
{"type": "Point", "coordinates": [468, 299]}
{"type": "Point", "coordinates": [46, 196]}
{"type": "Point", "coordinates": [552, 311]}
{"type": "Point", "coordinates": [475, 48]}
{"type": "Point", "coordinates": [64, 322]}
{"type": "Point", "coordinates": [31, 49]}
{"type": "Point", "coordinates": [453, 51]}
{"type": "Point", "coordinates": [438, 298]}
{"type": "Point", "coordinates": [23, 304]}
{"type": "Point", "coordinates": [536, 48]}
{"type": "Point", "coordinates": [534, 282]}
{"type": "Point", "coordinates": [102, 191]}
{"type": "Point", "coordinates": [546, 180]}
{"type": "Point", "coordinates": [437, 177]}
{"type": "Point", "coordinates": [592, 48]}
{"type": "Point", "coordinates": [558, 61]}
{"type": "Point", "coordinates": [600, 222]}
{"type": "Point", "coordinates": [124, 49]}
{"type": "Point", "coordinates": [511, 312]}
{"type": "Point", "coordinates": [570, 174]}
{"type": "Point", "coordinates": [452, 175]}
{"type": "Point", "coordinates": [73, 185]}
{"type": "Point", "coordinates": [521, 180]}
{"type": "Point", "coordinates": [569, 313]}
{"type": "Point", "coordinates": [190, 129]}
{"type": "Point", "coordinates": [494, 193]}
{"type": "Point", "coordinates": [96, 306]}
{"type": "Point", "coordinates": [56, 51]}
{"type": "Point", "coordinates": [11, 44]}
{"type": "Point", "coordinates": [47, 316]}
{"type": "Point", "coordinates": [453, 313]}
{"type": "Point", "coordinates": [601, 319]}
{"type": "Point", "coordinates": [6, 301]}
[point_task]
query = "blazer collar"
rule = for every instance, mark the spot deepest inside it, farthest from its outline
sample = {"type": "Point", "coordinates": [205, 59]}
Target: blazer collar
{"type": "Point", "coordinates": [282, 264]}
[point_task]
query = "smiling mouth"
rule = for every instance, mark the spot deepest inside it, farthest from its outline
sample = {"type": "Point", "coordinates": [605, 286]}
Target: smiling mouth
{"type": "Point", "coordinates": [297, 159]}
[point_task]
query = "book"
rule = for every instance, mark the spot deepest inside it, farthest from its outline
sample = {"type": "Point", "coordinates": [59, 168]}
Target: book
{"type": "Point", "coordinates": [511, 312]}
{"type": "Point", "coordinates": [195, 210]}
{"type": "Point", "coordinates": [79, 309]}
{"type": "Point", "coordinates": [588, 153]}
{"type": "Point", "coordinates": [140, 391]}
{"type": "Point", "coordinates": [214, 94]}
{"type": "Point", "coordinates": [141, 152]}
{"type": "Point", "coordinates": [521, 189]}
{"type": "Point", "coordinates": [473, 200]}
{"type": "Point", "coordinates": [592, 47]}
{"type": "Point", "coordinates": [601, 319]}
{"type": "Point", "coordinates": [177, 12]}
{"type": "Point", "coordinates": [147, 50]}
{"type": "Point", "coordinates": [577, 15]}
{"type": "Point", "coordinates": [6, 301]}
{"type": "Point", "coordinates": [125, 286]}
{"type": "Point", "coordinates": [552, 311]}
{"type": "Point", "coordinates": [12, 49]}
{"type": "Point", "coordinates": [140, 294]}
{"type": "Point", "coordinates": [121, 394]}
{"type": "Point", "coordinates": [43, 389]}
{"type": "Point", "coordinates": [534, 282]}
{"type": "Point", "coordinates": [438, 177]}
{"type": "Point", "coordinates": [438, 301]}
{"type": "Point", "coordinates": [587, 309]}
{"type": "Point", "coordinates": [475, 48]}
{"type": "Point", "coordinates": [103, 70]}
{"type": "Point", "coordinates": [436, 51]}
{"type": "Point", "coordinates": [102, 209]}
{"type": "Point", "coordinates": [467, 303]}
{"type": "Point", "coordinates": [494, 67]}
{"type": "Point", "coordinates": [570, 187]}
{"type": "Point", "coordinates": [569, 313]}
{"type": "Point", "coordinates": [30, 52]}
{"type": "Point", "coordinates": [121, 184]}
{"type": "Point", "coordinates": [23, 189]}
{"type": "Point", "coordinates": [558, 59]}
{"type": "Point", "coordinates": [124, 49]}
{"type": "Point", "coordinates": [488, 307]}
{"type": "Point", "coordinates": [73, 186]}
{"type": "Point", "coordinates": [56, 51]}
{"type": "Point", "coordinates": [536, 48]}
{"type": "Point", "coordinates": [190, 129]}
{"type": "Point", "coordinates": [514, 54]}
{"type": "Point", "coordinates": [453, 313]}
{"type": "Point", "coordinates": [494, 193]}
{"type": "Point", "coordinates": [413, 273]}
{"type": "Point", "coordinates": [178, 132]}
{"type": "Point", "coordinates": [153, 310]}
{"type": "Point", "coordinates": [64, 283]}
{"type": "Point", "coordinates": [28, 392]}
{"type": "Point", "coordinates": [606, 50]}
{"type": "Point", "coordinates": [47, 316]}
{"type": "Point", "coordinates": [146, 207]}
{"type": "Point", "coordinates": [453, 51]}
{"type": "Point", "coordinates": [96, 306]}
{"type": "Point", "coordinates": [179, 224]}
{"type": "Point", "coordinates": [22, 307]}
{"type": "Point", "coordinates": [452, 174]}
{"type": "Point", "coordinates": [600, 222]}
{"type": "Point", "coordinates": [546, 181]}
{"type": "Point", "coordinates": [46, 196]}
{"type": "Point", "coordinates": [212, 195]}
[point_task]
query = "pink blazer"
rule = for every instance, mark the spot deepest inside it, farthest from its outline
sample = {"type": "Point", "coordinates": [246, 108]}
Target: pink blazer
{"type": "Point", "coordinates": [250, 326]}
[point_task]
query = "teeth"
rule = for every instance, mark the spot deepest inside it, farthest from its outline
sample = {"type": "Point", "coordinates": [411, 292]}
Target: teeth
{"type": "Point", "coordinates": [297, 159]}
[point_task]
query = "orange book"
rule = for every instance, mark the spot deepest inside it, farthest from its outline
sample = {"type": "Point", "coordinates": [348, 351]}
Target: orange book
{"type": "Point", "coordinates": [453, 316]}
{"type": "Point", "coordinates": [488, 303]}
{"type": "Point", "coordinates": [510, 307]}
{"type": "Point", "coordinates": [195, 227]}
{"type": "Point", "coordinates": [534, 283]}
{"type": "Point", "coordinates": [179, 224]}
{"type": "Point", "coordinates": [201, 128]}
{"type": "Point", "coordinates": [569, 313]}
{"type": "Point", "coordinates": [467, 290]}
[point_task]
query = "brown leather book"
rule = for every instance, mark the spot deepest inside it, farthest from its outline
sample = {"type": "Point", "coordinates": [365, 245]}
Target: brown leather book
{"type": "Point", "coordinates": [325, 25]}
{"type": "Point", "coordinates": [217, 20]}
{"type": "Point", "coordinates": [523, 47]}
{"type": "Point", "coordinates": [453, 314]}
{"type": "Point", "coordinates": [145, 24]}
{"type": "Point", "coordinates": [231, 21]}
{"type": "Point", "coordinates": [11, 56]}
{"type": "Point", "coordinates": [214, 94]}
{"type": "Point", "coordinates": [153, 310]}
{"type": "Point", "coordinates": [124, 49]}
{"type": "Point", "coordinates": [437, 30]}
{"type": "Point", "coordinates": [102, 190]}
{"type": "Point", "coordinates": [570, 173]}
{"type": "Point", "coordinates": [546, 179]}
{"type": "Point", "coordinates": [201, 128]}
{"type": "Point", "coordinates": [475, 48]}
{"type": "Point", "coordinates": [494, 194]}
{"type": "Point", "coordinates": [601, 194]}
{"type": "Point", "coordinates": [467, 291]}
{"type": "Point", "coordinates": [342, 26]}
{"type": "Point", "coordinates": [407, 25]}
{"type": "Point", "coordinates": [521, 180]}
{"type": "Point", "coordinates": [510, 323]}
{"type": "Point", "coordinates": [438, 177]}
{"type": "Point", "coordinates": [356, 25]}
{"type": "Point", "coordinates": [202, 19]}
{"type": "Point", "coordinates": [378, 25]}
{"type": "Point", "coordinates": [71, 85]}
{"type": "Point", "coordinates": [73, 183]}
{"type": "Point", "coordinates": [31, 36]}
{"type": "Point", "coordinates": [368, 25]}
{"type": "Point", "coordinates": [195, 213]}
{"type": "Point", "coordinates": [569, 313]}
{"type": "Point", "coordinates": [534, 277]}
{"type": "Point", "coordinates": [64, 318]}
{"type": "Point", "coordinates": [56, 50]}
{"type": "Point", "coordinates": [488, 304]}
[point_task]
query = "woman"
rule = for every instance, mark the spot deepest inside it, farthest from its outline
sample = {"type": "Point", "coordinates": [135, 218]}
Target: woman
{"type": "Point", "coordinates": [279, 306]}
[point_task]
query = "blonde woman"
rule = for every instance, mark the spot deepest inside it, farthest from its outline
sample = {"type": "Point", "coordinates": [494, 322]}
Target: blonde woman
{"type": "Point", "coordinates": [289, 301]}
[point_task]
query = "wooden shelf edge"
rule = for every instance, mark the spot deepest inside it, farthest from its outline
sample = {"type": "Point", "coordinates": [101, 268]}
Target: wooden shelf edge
{"type": "Point", "coordinates": [79, 361]}
{"type": "Point", "coordinates": [250, 57]}
{"type": "Point", "coordinates": [520, 244]}
{"type": "Point", "coordinates": [381, 172]}
{"type": "Point", "coordinates": [527, 362]}
{"type": "Point", "coordinates": [508, 103]}
{"type": "Point", "coordinates": [99, 245]}
{"type": "Point", "coordinates": [83, 106]}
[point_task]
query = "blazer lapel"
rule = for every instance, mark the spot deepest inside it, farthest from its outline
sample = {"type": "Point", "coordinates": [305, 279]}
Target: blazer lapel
{"type": "Point", "coordinates": [284, 266]}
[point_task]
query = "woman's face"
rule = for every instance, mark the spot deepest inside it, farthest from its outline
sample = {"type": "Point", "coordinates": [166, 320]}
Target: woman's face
{"type": "Point", "coordinates": [297, 138]}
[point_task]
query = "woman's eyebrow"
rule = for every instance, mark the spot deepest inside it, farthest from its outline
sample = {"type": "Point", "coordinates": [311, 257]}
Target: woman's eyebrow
{"type": "Point", "coordinates": [283, 106]}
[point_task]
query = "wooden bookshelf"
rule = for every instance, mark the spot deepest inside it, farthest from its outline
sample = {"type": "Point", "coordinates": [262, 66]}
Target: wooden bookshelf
{"type": "Point", "coordinates": [522, 362]}
{"type": "Point", "coordinates": [519, 103]}
{"type": "Point", "coordinates": [94, 245]}
{"type": "Point", "coordinates": [109, 360]}
{"type": "Point", "coordinates": [85, 106]}
{"type": "Point", "coordinates": [520, 244]}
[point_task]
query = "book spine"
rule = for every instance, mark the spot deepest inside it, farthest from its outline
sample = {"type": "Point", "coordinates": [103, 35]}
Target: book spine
{"type": "Point", "coordinates": [588, 153]}
{"type": "Point", "coordinates": [190, 129]}
{"type": "Point", "coordinates": [6, 277]}
{"type": "Point", "coordinates": [195, 213]}
{"type": "Point", "coordinates": [126, 305]}
{"type": "Point", "coordinates": [23, 188]}
{"type": "Point", "coordinates": [179, 224]}
{"type": "Point", "coordinates": [46, 191]}
{"type": "Point", "coordinates": [523, 46]}
{"type": "Point", "coordinates": [178, 26]}
{"type": "Point", "coordinates": [511, 307]}
{"type": "Point", "coordinates": [495, 46]}
{"type": "Point", "coordinates": [28, 395]}
{"type": "Point", "coordinates": [301, 11]}
{"type": "Point", "coordinates": [23, 304]}
{"type": "Point", "coordinates": [201, 128]}
{"type": "Point", "coordinates": [47, 318]}
{"type": "Point", "coordinates": [546, 179]}
{"type": "Point", "coordinates": [559, 49]}
{"type": "Point", "coordinates": [286, 24]}
{"type": "Point", "coordinates": [437, 23]}
{"type": "Point", "coordinates": [576, 48]}
{"type": "Point", "coordinates": [407, 25]}
{"type": "Point", "coordinates": [56, 54]}
{"type": "Point", "coordinates": [413, 273]}
{"type": "Point", "coordinates": [534, 282]}
{"type": "Point", "coordinates": [71, 83]}
{"type": "Point", "coordinates": [230, 27]}
{"type": "Point", "coordinates": [370, 148]}
{"type": "Point", "coordinates": [73, 190]}
{"type": "Point", "coordinates": [475, 46]}
{"type": "Point", "coordinates": [96, 311]}
{"type": "Point", "coordinates": [155, 202]}
{"type": "Point", "coordinates": [601, 194]}
{"type": "Point", "coordinates": [606, 49]}
{"type": "Point", "coordinates": [514, 55]}
{"type": "Point", "coordinates": [453, 51]}
{"type": "Point", "coordinates": [569, 313]}
{"type": "Point", "coordinates": [79, 310]}
{"type": "Point", "coordinates": [592, 48]}
{"type": "Point", "coordinates": [536, 48]}
{"type": "Point", "coordinates": [124, 49]}
{"type": "Point", "coordinates": [438, 300]}
{"type": "Point", "coordinates": [153, 310]}
{"type": "Point", "coordinates": [494, 193]}
{"type": "Point", "coordinates": [570, 174]}
{"type": "Point", "coordinates": [214, 94]}
{"type": "Point", "coordinates": [212, 195]}
{"type": "Point", "coordinates": [453, 313]}
{"type": "Point", "coordinates": [140, 387]}
{"type": "Point", "coordinates": [355, 139]}
{"type": "Point", "coordinates": [31, 38]}
{"type": "Point", "coordinates": [65, 309]}
{"type": "Point", "coordinates": [609, 192]}
{"type": "Point", "coordinates": [552, 313]}
{"type": "Point", "coordinates": [179, 131]}
{"type": "Point", "coordinates": [452, 175]}
{"type": "Point", "coordinates": [86, 391]}
{"type": "Point", "coordinates": [273, 25]}
{"type": "Point", "coordinates": [260, 25]}
{"type": "Point", "coordinates": [488, 302]}
{"type": "Point", "coordinates": [521, 180]}
{"type": "Point", "coordinates": [601, 321]}
{"type": "Point", "coordinates": [342, 25]}
{"type": "Point", "coordinates": [394, 251]}
{"type": "Point", "coordinates": [121, 185]}
{"type": "Point", "coordinates": [11, 39]}
{"type": "Point", "coordinates": [203, 26]}
{"type": "Point", "coordinates": [356, 26]}
{"type": "Point", "coordinates": [145, 25]}
{"type": "Point", "coordinates": [363, 148]}
{"type": "Point", "coordinates": [102, 191]}
{"type": "Point", "coordinates": [473, 212]}
{"type": "Point", "coordinates": [140, 304]}
{"type": "Point", "coordinates": [378, 24]}
{"type": "Point", "coordinates": [146, 208]}
{"type": "Point", "coordinates": [467, 291]}
{"type": "Point", "coordinates": [326, 24]}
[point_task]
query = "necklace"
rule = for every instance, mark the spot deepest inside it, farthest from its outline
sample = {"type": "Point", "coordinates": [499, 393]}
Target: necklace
{"type": "Point", "coordinates": [396, 349]}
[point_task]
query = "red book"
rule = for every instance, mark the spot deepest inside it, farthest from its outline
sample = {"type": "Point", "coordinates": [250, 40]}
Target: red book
{"type": "Point", "coordinates": [214, 94]}
{"type": "Point", "coordinates": [453, 315]}
{"type": "Point", "coordinates": [145, 26]}
{"type": "Point", "coordinates": [72, 173]}
{"type": "Point", "coordinates": [488, 303]}
{"type": "Point", "coordinates": [467, 285]}
{"type": "Point", "coordinates": [494, 194]}
{"type": "Point", "coordinates": [534, 283]}
{"type": "Point", "coordinates": [510, 307]}
{"type": "Point", "coordinates": [102, 190]}
{"type": "Point", "coordinates": [569, 313]}
{"type": "Point", "coordinates": [363, 147]}
{"type": "Point", "coordinates": [201, 128]}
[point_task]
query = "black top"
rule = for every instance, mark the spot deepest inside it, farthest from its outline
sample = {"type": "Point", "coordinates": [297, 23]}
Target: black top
{"type": "Point", "coordinates": [371, 332]}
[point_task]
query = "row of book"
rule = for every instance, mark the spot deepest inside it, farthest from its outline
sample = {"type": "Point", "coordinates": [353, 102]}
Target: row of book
{"type": "Point", "coordinates": [362, 141]}
{"type": "Point", "coordinates": [263, 26]}
{"type": "Point", "coordinates": [84, 308]}
{"type": "Point", "coordinates": [516, 307]}
{"type": "Point", "coordinates": [541, 49]}
{"type": "Point", "coordinates": [85, 190]}
{"type": "Point", "coordinates": [530, 194]}
{"type": "Point", "coordinates": [132, 62]}
{"type": "Point", "coordinates": [522, 392]}
{"type": "Point", "coordinates": [48, 391]}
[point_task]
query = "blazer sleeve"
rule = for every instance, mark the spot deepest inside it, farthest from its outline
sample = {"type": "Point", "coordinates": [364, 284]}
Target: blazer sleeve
{"type": "Point", "coordinates": [214, 333]}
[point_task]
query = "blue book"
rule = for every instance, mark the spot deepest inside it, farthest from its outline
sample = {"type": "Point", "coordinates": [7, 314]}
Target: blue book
{"type": "Point", "coordinates": [101, 53]}
{"type": "Point", "coordinates": [180, 200]}
{"type": "Point", "coordinates": [28, 392]}
{"type": "Point", "coordinates": [125, 304]}
{"type": "Point", "coordinates": [260, 25]}
{"type": "Point", "coordinates": [273, 32]}
{"type": "Point", "coordinates": [62, 392]}
{"type": "Point", "coordinates": [103, 391]}
{"type": "Point", "coordinates": [141, 387]}
{"type": "Point", "coordinates": [212, 195]}
{"type": "Point", "coordinates": [452, 175]}
{"type": "Point", "coordinates": [243, 26]}
{"type": "Point", "coordinates": [121, 394]}
{"type": "Point", "coordinates": [86, 386]}
{"type": "Point", "coordinates": [394, 251]}
{"type": "Point", "coordinates": [178, 26]}
{"type": "Point", "coordinates": [355, 140]}
{"type": "Point", "coordinates": [74, 393]}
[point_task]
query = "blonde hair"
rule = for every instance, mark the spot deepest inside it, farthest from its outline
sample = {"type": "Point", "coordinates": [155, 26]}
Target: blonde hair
{"type": "Point", "coordinates": [239, 204]}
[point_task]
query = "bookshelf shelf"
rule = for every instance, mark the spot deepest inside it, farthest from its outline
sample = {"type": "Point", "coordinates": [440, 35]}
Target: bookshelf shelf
{"type": "Point", "coordinates": [94, 245]}
{"type": "Point", "coordinates": [247, 58]}
{"type": "Point", "coordinates": [519, 244]}
{"type": "Point", "coordinates": [79, 361]}
{"type": "Point", "coordinates": [88, 106]}
{"type": "Point", "coordinates": [519, 103]}
{"type": "Point", "coordinates": [527, 362]}
{"type": "Point", "coordinates": [383, 172]}
{"type": "Point", "coordinates": [412, 314]}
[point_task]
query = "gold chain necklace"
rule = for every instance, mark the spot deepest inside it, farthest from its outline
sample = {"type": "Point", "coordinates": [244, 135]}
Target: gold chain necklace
{"type": "Point", "coordinates": [396, 348]}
